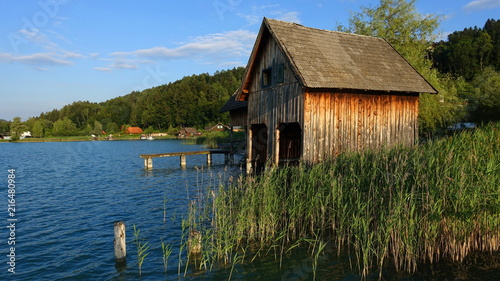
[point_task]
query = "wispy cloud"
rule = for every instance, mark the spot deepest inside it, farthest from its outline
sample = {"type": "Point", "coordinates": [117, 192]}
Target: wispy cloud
{"type": "Point", "coordinates": [49, 54]}
{"type": "Point", "coordinates": [273, 11]}
{"type": "Point", "coordinates": [477, 5]}
{"type": "Point", "coordinates": [216, 48]}
{"type": "Point", "coordinates": [37, 59]}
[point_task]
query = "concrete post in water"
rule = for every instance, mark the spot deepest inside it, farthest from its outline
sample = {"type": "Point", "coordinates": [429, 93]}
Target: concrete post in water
{"type": "Point", "coordinates": [209, 159]}
{"type": "Point", "coordinates": [120, 242]}
{"type": "Point", "coordinates": [183, 161]}
{"type": "Point", "coordinates": [148, 163]}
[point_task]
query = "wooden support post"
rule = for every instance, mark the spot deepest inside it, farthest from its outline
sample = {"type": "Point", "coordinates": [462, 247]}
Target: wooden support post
{"type": "Point", "coordinates": [226, 158]}
{"type": "Point", "coordinates": [277, 147]}
{"type": "Point", "coordinates": [209, 159]}
{"type": "Point", "coordinates": [183, 161]}
{"type": "Point", "coordinates": [194, 242]}
{"type": "Point", "coordinates": [249, 151]}
{"type": "Point", "coordinates": [120, 242]}
{"type": "Point", "coordinates": [148, 163]}
{"type": "Point", "coordinates": [231, 148]}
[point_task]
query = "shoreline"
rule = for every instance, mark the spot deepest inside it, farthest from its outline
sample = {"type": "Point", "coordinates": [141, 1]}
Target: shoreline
{"type": "Point", "coordinates": [78, 138]}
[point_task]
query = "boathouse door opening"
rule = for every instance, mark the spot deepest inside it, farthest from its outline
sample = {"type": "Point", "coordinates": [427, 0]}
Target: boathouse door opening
{"type": "Point", "coordinates": [259, 137]}
{"type": "Point", "coordinates": [290, 142]}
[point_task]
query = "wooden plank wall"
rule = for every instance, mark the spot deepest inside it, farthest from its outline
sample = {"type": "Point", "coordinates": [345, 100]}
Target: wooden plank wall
{"type": "Point", "coordinates": [274, 106]}
{"type": "Point", "coordinates": [340, 122]}
{"type": "Point", "coordinates": [238, 117]}
{"type": "Point", "coordinates": [279, 103]}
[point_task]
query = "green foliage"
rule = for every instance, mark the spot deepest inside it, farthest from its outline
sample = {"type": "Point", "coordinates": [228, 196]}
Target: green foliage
{"type": "Point", "coordinates": [17, 127]}
{"type": "Point", "coordinates": [4, 126]}
{"type": "Point", "coordinates": [97, 128]}
{"type": "Point", "coordinates": [112, 128]}
{"type": "Point", "coordinates": [484, 100]}
{"type": "Point", "coordinates": [64, 127]}
{"type": "Point", "coordinates": [142, 248]}
{"type": "Point", "coordinates": [38, 129]}
{"type": "Point", "coordinates": [149, 130]}
{"type": "Point", "coordinates": [469, 52]}
{"type": "Point", "coordinates": [167, 250]}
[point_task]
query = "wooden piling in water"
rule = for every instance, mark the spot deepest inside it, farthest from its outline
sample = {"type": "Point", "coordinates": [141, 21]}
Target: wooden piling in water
{"type": "Point", "coordinates": [120, 242]}
{"type": "Point", "coordinates": [209, 159]}
{"type": "Point", "coordinates": [183, 160]}
{"type": "Point", "coordinates": [194, 242]}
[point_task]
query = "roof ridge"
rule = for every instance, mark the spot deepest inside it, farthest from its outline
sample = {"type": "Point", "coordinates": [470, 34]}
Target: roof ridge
{"type": "Point", "coordinates": [321, 29]}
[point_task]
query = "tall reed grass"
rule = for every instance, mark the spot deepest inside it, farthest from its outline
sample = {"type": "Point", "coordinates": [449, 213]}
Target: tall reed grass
{"type": "Point", "coordinates": [214, 139]}
{"type": "Point", "coordinates": [398, 207]}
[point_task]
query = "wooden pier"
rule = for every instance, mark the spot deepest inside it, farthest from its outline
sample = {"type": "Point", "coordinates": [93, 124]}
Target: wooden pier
{"type": "Point", "coordinates": [148, 158]}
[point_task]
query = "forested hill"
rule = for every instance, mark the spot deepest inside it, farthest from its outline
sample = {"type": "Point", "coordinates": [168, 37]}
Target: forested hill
{"type": "Point", "coordinates": [468, 52]}
{"type": "Point", "coordinates": [191, 101]}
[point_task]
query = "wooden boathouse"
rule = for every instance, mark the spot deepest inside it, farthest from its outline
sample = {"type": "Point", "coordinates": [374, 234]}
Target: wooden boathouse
{"type": "Point", "coordinates": [312, 94]}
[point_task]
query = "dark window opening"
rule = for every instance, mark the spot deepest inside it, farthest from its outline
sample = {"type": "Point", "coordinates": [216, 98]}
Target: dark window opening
{"type": "Point", "coordinates": [280, 73]}
{"type": "Point", "coordinates": [267, 80]}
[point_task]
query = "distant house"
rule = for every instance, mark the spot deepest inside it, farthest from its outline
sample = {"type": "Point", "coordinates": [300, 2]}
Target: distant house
{"type": "Point", "coordinates": [133, 130]}
{"type": "Point", "coordinates": [187, 132]}
{"type": "Point", "coordinates": [312, 94]}
{"type": "Point", "coordinates": [217, 128]}
{"type": "Point", "coordinates": [26, 134]}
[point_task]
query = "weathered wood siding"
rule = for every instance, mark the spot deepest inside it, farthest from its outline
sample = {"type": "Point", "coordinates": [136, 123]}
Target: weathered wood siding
{"type": "Point", "coordinates": [238, 117]}
{"type": "Point", "coordinates": [340, 122]}
{"type": "Point", "coordinates": [278, 103]}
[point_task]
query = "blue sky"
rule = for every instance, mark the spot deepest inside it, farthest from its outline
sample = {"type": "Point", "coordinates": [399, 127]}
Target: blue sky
{"type": "Point", "coordinates": [55, 52]}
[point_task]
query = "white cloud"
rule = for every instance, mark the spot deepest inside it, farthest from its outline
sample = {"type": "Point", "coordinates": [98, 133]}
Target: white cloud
{"type": "Point", "coordinates": [50, 53]}
{"type": "Point", "coordinates": [272, 11]}
{"type": "Point", "coordinates": [37, 59]}
{"type": "Point", "coordinates": [481, 5]}
{"type": "Point", "coordinates": [217, 48]}
{"type": "Point", "coordinates": [288, 16]}
{"type": "Point", "coordinates": [104, 69]}
{"type": "Point", "coordinates": [38, 37]}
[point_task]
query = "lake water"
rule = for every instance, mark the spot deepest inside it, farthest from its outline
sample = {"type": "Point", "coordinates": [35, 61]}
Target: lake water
{"type": "Point", "coordinates": [68, 194]}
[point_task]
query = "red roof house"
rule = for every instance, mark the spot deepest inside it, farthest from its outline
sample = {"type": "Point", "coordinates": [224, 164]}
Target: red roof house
{"type": "Point", "coordinates": [133, 130]}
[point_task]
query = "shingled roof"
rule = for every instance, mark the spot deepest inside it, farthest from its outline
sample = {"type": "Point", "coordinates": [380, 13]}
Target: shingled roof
{"type": "Point", "coordinates": [330, 59]}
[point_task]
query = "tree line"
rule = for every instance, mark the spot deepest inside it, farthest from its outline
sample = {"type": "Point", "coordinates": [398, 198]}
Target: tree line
{"type": "Point", "coordinates": [193, 101]}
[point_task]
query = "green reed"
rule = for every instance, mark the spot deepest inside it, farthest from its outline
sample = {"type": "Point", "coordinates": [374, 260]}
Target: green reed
{"type": "Point", "coordinates": [396, 207]}
{"type": "Point", "coordinates": [142, 248]}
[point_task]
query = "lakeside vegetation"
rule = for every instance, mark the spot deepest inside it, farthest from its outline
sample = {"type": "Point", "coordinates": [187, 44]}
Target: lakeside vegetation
{"type": "Point", "coordinates": [398, 208]}
{"type": "Point", "coordinates": [193, 101]}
